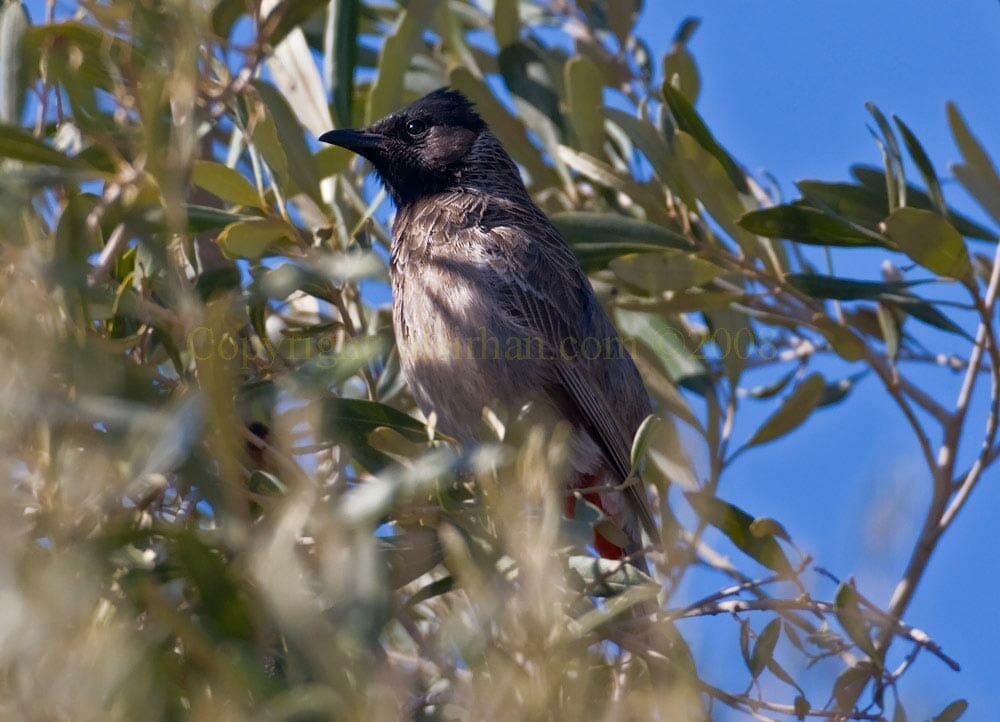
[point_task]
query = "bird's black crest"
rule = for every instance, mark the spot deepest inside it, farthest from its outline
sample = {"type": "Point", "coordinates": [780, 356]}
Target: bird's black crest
{"type": "Point", "coordinates": [445, 106]}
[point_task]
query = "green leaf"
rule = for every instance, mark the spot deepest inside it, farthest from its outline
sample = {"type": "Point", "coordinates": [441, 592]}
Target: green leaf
{"type": "Point", "coordinates": [641, 440]}
{"type": "Point", "coordinates": [340, 57]}
{"type": "Point", "coordinates": [679, 62]}
{"type": "Point", "coordinates": [529, 79]}
{"type": "Point", "coordinates": [656, 273]}
{"type": "Point", "coordinates": [202, 219]}
{"type": "Point", "coordinates": [873, 180]}
{"type": "Point", "coordinates": [668, 345]}
{"type": "Point", "coordinates": [844, 289]}
{"type": "Point", "coordinates": [690, 122]}
{"type": "Point", "coordinates": [793, 411]}
{"type": "Point", "coordinates": [600, 172]}
{"type": "Point", "coordinates": [931, 241]}
{"type": "Point", "coordinates": [225, 14]}
{"type": "Point", "coordinates": [952, 712]}
{"type": "Point", "coordinates": [287, 15]}
{"type": "Point", "coordinates": [763, 648]}
{"type": "Point", "coordinates": [851, 683]}
{"type": "Point", "coordinates": [924, 312]}
{"type": "Point", "coordinates": [649, 140]}
{"type": "Point", "coordinates": [924, 165]}
{"type": "Point", "coordinates": [506, 22]}
{"type": "Point", "coordinates": [222, 605]}
{"type": "Point", "coordinates": [225, 183]}
{"type": "Point", "coordinates": [252, 239]}
{"type": "Point", "coordinates": [736, 524]}
{"type": "Point", "coordinates": [808, 225]}
{"type": "Point", "coordinates": [764, 526]}
{"type": "Point", "coordinates": [351, 421]}
{"type": "Point", "coordinates": [847, 344]}
{"type": "Point", "coordinates": [20, 145]}
{"type": "Point", "coordinates": [299, 164]}
{"type": "Point", "coordinates": [708, 179]}
{"type": "Point", "coordinates": [854, 202]}
{"type": "Point", "coordinates": [772, 390]}
{"type": "Point", "coordinates": [13, 66]}
{"type": "Point", "coordinates": [95, 54]}
{"type": "Point", "coordinates": [837, 391]}
{"type": "Point", "coordinates": [977, 173]}
{"type": "Point", "coordinates": [895, 179]}
{"type": "Point", "coordinates": [848, 609]}
{"type": "Point", "coordinates": [584, 99]}
{"type": "Point", "coordinates": [608, 577]}
{"type": "Point", "coordinates": [398, 50]}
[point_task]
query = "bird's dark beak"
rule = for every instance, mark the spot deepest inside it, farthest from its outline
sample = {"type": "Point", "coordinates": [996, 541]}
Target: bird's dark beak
{"type": "Point", "coordinates": [362, 142]}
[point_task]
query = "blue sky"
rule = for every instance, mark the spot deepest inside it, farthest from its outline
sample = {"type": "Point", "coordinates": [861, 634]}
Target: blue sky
{"type": "Point", "coordinates": [784, 85]}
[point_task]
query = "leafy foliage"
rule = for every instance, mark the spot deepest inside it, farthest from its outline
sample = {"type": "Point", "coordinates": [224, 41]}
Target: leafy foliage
{"type": "Point", "coordinates": [219, 498]}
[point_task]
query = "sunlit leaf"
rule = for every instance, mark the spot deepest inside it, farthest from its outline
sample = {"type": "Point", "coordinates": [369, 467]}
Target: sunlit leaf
{"type": "Point", "coordinates": [224, 182]}
{"type": "Point", "coordinates": [931, 241]}
{"type": "Point", "coordinates": [977, 173]}
{"type": "Point", "coordinates": [13, 69]}
{"type": "Point", "coordinates": [583, 95]}
{"type": "Point", "coordinates": [664, 271]}
{"type": "Point", "coordinates": [387, 92]}
{"type": "Point", "coordinates": [252, 239]}
{"type": "Point", "coordinates": [690, 123]}
{"type": "Point", "coordinates": [736, 524]}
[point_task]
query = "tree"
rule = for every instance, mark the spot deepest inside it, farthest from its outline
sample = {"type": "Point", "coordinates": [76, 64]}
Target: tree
{"type": "Point", "coordinates": [220, 500]}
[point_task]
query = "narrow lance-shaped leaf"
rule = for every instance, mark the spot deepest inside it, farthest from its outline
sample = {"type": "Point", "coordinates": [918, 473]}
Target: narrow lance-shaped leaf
{"type": "Point", "coordinates": [952, 712]}
{"type": "Point", "coordinates": [252, 239]}
{"type": "Point", "coordinates": [895, 178]}
{"type": "Point", "coordinates": [763, 648]}
{"type": "Point", "coordinates": [340, 56]}
{"type": "Point", "coordinates": [844, 289]}
{"type": "Point", "coordinates": [977, 173]}
{"type": "Point", "coordinates": [679, 65]}
{"type": "Point", "coordinates": [924, 165]}
{"type": "Point", "coordinates": [873, 181]}
{"type": "Point", "coordinates": [690, 122]}
{"type": "Point", "coordinates": [931, 241]}
{"type": "Point", "coordinates": [224, 182]}
{"type": "Point", "coordinates": [852, 620]}
{"type": "Point", "coordinates": [387, 91]}
{"type": "Point", "coordinates": [584, 99]}
{"type": "Point", "coordinates": [506, 22]}
{"type": "Point", "coordinates": [793, 411]}
{"type": "Point", "coordinates": [808, 225]}
{"type": "Point", "coordinates": [708, 179]}
{"type": "Point", "coordinates": [736, 524]}
{"type": "Point", "coordinates": [13, 65]}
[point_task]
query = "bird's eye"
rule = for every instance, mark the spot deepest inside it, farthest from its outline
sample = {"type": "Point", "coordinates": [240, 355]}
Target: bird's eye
{"type": "Point", "coordinates": [415, 127]}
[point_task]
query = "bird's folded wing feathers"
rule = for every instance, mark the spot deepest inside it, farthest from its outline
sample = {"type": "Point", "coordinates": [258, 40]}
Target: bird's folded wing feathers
{"type": "Point", "coordinates": [532, 310]}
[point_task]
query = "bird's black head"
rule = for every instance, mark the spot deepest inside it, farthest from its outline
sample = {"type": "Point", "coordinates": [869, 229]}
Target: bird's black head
{"type": "Point", "coordinates": [421, 150]}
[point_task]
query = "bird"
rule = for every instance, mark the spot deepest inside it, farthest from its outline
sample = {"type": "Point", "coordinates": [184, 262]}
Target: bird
{"type": "Point", "coordinates": [477, 269]}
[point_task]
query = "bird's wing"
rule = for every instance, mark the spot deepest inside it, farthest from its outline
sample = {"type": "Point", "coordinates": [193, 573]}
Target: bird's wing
{"type": "Point", "coordinates": [547, 295]}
